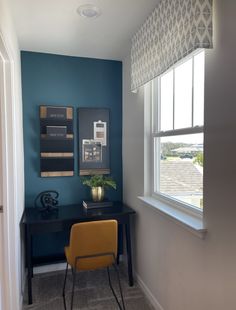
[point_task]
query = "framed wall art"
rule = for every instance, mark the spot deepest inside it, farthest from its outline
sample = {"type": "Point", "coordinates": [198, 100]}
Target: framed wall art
{"type": "Point", "coordinates": [94, 149]}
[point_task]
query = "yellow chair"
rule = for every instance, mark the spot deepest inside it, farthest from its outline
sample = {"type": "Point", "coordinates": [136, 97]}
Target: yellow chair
{"type": "Point", "coordinates": [93, 245]}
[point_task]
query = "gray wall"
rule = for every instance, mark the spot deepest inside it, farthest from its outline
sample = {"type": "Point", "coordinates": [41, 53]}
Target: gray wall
{"type": "Point", "coordinates": [180, 270]}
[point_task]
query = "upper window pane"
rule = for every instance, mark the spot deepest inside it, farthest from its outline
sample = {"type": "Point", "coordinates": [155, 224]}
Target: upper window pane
{"type": "Point", "coordinates": [183, 95]}
{"type": "Point", "coordinates": [167, 101]}
{"type": "Point", "coordinates": [198, 84]}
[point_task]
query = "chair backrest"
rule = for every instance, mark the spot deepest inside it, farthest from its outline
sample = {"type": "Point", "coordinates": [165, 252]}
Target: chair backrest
{"type": "Point", "coordinates": [93, 238]}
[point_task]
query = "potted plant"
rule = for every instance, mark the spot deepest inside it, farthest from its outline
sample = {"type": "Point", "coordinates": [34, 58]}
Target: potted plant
{"type": "Point", "coordinates": [98, 183]}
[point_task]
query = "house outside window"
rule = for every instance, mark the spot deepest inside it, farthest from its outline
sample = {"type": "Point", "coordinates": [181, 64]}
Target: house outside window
{"type": "Point", "coordinates": [177, 132]}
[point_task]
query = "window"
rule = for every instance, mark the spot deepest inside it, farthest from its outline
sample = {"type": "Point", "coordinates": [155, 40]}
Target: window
{"type": "Point", "coordinates": [177, 132]}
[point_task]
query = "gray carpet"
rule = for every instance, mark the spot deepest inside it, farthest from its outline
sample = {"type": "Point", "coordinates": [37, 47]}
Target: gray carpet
{"type": "Point", "coordinates": [92, 292]}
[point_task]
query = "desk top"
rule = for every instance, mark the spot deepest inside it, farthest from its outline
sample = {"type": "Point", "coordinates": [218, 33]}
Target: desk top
{"type": "Point", "coordinates": [71, 212]}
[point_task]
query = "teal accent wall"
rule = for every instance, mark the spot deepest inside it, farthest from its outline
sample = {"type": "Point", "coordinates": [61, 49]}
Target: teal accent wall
{"type": "Point", "coordinates": [49, 79]}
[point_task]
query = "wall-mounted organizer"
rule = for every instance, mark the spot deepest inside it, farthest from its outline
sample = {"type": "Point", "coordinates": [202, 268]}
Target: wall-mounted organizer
{"type": "Point", "coordinates": [56, 141]}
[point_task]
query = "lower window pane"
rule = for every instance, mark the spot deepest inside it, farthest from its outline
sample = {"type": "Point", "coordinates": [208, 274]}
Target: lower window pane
{"type": "Point", "coordinates": [180, 166]}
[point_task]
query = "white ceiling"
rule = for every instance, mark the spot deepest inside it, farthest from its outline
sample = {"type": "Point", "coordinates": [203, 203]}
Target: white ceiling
{"type": "Point", "coordinates": [53, 26]}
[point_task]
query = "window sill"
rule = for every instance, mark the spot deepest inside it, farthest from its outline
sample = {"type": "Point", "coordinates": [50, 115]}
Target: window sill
{"type": "Point", "coordinates": [189, 221]}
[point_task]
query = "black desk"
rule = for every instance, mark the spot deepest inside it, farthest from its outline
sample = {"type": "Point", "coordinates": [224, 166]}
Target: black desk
{"type": "Point", "coordinates": [35, 222]}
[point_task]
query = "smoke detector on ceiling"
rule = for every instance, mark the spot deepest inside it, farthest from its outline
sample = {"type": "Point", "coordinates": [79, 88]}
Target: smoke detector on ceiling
{"type": "Point", "coordinates": [89, 11]}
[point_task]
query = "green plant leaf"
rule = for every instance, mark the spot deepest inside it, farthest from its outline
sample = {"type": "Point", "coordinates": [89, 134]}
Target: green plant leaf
{"type": "Point", "coordinates": [99, 180]}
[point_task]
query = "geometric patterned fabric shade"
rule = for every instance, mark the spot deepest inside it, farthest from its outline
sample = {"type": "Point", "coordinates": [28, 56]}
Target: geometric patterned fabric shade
{"type": "Point", "coordinates": [174, 29]}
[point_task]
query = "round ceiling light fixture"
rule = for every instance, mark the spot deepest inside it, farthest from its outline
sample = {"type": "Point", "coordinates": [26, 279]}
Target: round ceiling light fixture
{"type": "Point", "coordinates": [89, 11]}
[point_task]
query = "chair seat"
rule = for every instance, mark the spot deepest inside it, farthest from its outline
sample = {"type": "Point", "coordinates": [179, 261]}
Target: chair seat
{"type": "Point", "coordinates": [91, 263]}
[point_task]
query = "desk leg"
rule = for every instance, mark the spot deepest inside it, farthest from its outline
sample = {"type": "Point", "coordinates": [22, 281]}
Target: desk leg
{"type": "Point", "coordinates": [118, 258]}
{"type": "Point", "coordinates": [29, 263]}
{"type": "Point", "coordinates": [129, 254]}
{"type": "Point", "coordinates": [120, 243]}
{"type": "Point", "coordinates": [31, 255]}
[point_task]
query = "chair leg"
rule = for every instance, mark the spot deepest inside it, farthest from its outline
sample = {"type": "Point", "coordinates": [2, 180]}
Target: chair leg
{"type": "Point", "coordinates": [121, 293]}
{"type": "Point", "coordinates": [113, 292]}
{"type": "Point", "coordinates": [64, 287]}
{"type": "Point", "coordinates": [73, 288]}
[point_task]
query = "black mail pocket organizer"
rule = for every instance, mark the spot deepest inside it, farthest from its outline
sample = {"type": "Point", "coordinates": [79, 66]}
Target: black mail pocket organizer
{"type": "Point", "coordinates": [56, 141]}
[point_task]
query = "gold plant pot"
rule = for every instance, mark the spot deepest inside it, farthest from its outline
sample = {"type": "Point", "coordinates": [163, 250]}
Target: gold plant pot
{"type": "Point", "coordinates": [97, 193]}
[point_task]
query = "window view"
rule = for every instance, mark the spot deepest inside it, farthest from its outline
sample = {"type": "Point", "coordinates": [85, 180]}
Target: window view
{"type": "Point", "coordinates": [178, 140]}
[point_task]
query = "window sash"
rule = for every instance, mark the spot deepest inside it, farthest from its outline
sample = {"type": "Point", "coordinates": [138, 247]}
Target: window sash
{"type": "Point", "coordinates": [157, 133]}
{"type": "Point", "coordinates": [156, 177]}
{"type": "Point", "coordinates": [156, 101]}
{"type": "Point", "coordinates": [179, 132]}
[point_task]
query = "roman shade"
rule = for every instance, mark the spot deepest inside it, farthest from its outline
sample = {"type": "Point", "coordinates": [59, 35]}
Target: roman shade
{"type": "Point", "coordinates": [173, 30]}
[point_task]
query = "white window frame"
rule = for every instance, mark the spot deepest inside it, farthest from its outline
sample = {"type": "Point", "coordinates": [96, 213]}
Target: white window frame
{"type": "Point", "coordinates": [155, 119]}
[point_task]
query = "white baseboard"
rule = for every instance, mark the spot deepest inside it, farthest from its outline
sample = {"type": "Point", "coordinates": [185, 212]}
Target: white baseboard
{"type": "Point", "coordinates": [57, 267]}
{"type": "Point", "coordinates": [50, 268]}
{"type": "Point", "coordinates": [148, 293]}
